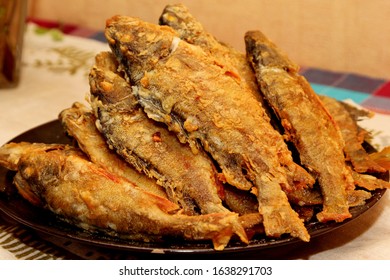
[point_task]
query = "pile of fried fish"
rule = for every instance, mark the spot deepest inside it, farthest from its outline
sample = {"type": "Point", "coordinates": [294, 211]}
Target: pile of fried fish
{"type": "Point", "coordinates": [186, 137]}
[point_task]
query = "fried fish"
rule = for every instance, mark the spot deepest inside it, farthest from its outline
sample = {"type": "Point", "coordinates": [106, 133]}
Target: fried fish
{"type": "Point", "coordinates": [60, 178]}
{"type": "Point", "coordinates": [306, 121]}
{"type": "Point", "coordinates": [184, 87]}
{"type": "Point", "coordinates": [190, 180]}
{"type": "Point", "coordinates": [79, 122]}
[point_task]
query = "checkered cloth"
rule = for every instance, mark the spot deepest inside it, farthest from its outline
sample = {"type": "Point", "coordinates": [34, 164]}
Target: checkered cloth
{"type": "Point", "coordinates": [371, 93]}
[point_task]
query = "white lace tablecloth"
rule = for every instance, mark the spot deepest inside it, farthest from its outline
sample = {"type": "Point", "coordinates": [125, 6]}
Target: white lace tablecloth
{"type": "Point", "coordinates": [54, 75]}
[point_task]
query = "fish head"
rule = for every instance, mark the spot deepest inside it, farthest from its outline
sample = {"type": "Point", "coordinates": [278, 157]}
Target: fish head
{"type": "Point", "coordinates": [138, 45]}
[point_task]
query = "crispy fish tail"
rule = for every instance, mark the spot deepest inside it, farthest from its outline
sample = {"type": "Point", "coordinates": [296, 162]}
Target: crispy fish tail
{"type": "Point", "coordinates": [382, 158]}
{"type": "Point", "coordinates": [281, 219]}
{"type": "Point", "coordinates": [370, 182]}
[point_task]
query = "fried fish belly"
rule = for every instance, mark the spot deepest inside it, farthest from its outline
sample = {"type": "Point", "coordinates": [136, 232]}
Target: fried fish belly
{"type": "Point", "coordinates": [60, 178]}
{"type": "Point", "coordinates": [306, 122]}
{"type": "Point", "coordinates": [353, 137]}
{"type": "Point", "coordinates": [79, 122]}
{"type": "Point", "coordinates": [180, 85]}
{"type": "Point", "coordinates": [190, 180]}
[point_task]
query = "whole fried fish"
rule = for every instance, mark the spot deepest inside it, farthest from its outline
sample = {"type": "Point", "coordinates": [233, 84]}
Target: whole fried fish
{"type": "Point", "coordinates": [182, 86]}
{"type": "Point", "coordinates": [190, 180]}
{"type": "Point", "coordinates": [61, 179]}
{"type": "Point", "coordinates": [79, 122]}
{"type": "Point", "coordinates": [306, 121]}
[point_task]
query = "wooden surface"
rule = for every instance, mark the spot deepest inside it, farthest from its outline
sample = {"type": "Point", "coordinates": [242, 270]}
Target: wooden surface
{"type": "Point", "coordinates": [347, 35]}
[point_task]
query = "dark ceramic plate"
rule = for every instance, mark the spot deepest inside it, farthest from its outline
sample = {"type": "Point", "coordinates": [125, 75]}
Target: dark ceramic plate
{"type": "Point", "coordinates": [43, 221]}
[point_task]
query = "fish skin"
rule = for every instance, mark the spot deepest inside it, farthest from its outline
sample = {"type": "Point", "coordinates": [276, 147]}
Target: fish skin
{"type": "Point", "coordinates": [180, 85]}
{"type": "Point", "coordinates": [306, 121]}
{"type": "Point", "coordinates": [189, 180]}
{"type": "Point", "coordinates": [79, 123]}
{"type": "Point", "coordinates": [189, 29]}
{"type": "Point", "coordinates": [60, 178]}
{"type": "Point", "coordinates": [236, 65]}
{"type": "Point", "coordinates": [11, 153]}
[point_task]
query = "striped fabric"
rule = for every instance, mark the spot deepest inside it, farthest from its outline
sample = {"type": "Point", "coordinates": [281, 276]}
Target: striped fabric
{"type": "Point", "coordinates": [23, 244]}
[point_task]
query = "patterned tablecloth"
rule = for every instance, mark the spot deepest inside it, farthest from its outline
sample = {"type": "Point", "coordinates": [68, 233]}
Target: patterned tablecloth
{"type": "Point", "coordinates": [56, 62]}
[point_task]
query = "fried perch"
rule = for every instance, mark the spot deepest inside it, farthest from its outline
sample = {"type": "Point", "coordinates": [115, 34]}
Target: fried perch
{"type": "Point", "coordinates": [79, 122]}
{"type": "Point", "coordinates": [182, 86]}
{"type": "Point", "coordinates": [234, 63]}
{"type": "Point", "coordinates": [353, 137]}
{"type": "Point", "coordinates": [306, 122]}
{"type": "Point", "coordinates": [60, 178]}
{"type": "Point", "coordinates": [189, 180]}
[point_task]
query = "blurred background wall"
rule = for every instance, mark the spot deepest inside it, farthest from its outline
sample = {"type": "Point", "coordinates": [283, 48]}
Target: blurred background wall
{"type": "Point", "coordinates": [340, 35]}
